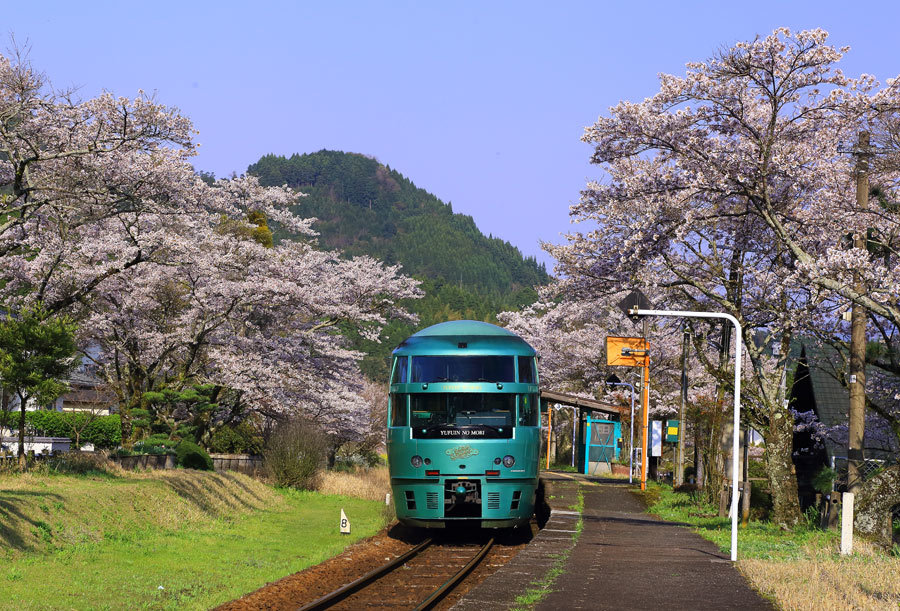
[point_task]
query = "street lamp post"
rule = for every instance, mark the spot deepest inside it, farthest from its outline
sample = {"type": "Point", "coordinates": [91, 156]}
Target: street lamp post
{"type": "Point", "coordinates": [631, 424]}
{"type": "Point", "coordinates": [737, 401]}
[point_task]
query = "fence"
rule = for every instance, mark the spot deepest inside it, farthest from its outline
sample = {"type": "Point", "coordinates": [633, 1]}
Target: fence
{"type": "Point", "coordinates": [242, 463]}
{"type": "Point", "coordinates": [145, 461]}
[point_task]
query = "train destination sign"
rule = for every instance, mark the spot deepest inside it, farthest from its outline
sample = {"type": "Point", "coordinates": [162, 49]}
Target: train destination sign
{"type": "Point", "coordinates": [471, 431]}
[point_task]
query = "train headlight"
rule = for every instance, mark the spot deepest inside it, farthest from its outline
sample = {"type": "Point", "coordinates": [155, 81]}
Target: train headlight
{"type": "Point", "coordinates": [427, 461]}
{"type": "Point", "coordinates": [498, 460]}
{"type": "Point", "coordinates": [509, 461]}
{"type": "Point", "coordinates": [416, 461]}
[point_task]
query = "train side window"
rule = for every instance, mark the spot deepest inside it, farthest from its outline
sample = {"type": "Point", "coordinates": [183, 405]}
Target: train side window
{"type": "Point", "coordinates": [529, 410]}
{"type": "Point", "coordinates": [399, 409]}
{"type": "Point", "coordinates": [526, 370]}
{"type": "Point", "coordinates": [400, 371]}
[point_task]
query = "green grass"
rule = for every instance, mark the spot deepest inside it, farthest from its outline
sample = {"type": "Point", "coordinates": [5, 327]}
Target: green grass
{"type": "Point", "coordinates": [756, 540]}
{"type": "Point", "coordinates": [194, 564]}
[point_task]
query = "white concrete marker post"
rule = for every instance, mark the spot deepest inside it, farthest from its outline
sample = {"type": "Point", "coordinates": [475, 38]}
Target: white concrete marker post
{"type": "Point", "coordinates": [735, 449]}
{"type": "Point", "coordinates": [846, 523]}
{"type": "Point", "coordinates": [345, 523]}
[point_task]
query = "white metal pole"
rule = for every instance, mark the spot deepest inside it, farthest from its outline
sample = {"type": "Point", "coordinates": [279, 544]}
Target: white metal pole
{"type": "Point", "coordinates": [735, 447]}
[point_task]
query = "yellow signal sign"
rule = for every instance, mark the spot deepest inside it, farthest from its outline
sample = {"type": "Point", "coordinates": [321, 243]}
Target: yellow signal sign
{"type": "Point", "coordinates": [626, 351]}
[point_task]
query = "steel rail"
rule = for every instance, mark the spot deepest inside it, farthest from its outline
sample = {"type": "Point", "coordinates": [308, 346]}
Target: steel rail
{"type": "Point", "coordinates": [451, 583]}
{"type": "Point", "coordinates": [344, 591]}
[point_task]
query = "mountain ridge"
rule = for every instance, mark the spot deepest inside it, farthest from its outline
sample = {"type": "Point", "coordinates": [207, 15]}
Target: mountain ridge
{"type": "Point", "coordinates": [365, 207]}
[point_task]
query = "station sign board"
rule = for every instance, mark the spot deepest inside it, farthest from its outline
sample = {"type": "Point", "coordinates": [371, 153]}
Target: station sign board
{"type": "Point", "coordinates": [626, 351]}
{"type": "Point", "coordinates": [672, 431]}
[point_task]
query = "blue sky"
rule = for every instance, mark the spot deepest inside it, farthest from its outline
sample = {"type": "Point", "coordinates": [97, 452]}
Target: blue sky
{"type": "Point", "coordinates": [482, 104]}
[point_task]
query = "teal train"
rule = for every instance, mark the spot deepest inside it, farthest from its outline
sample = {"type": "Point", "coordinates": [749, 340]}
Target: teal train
{"type": "Point", "coordinates": [463, 428]}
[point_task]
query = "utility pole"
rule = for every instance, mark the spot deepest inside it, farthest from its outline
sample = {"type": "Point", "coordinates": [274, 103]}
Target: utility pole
{"type": "Point", "coordinates": [679, 461]}
{"type": "Point", "coordinates": [858, 316]}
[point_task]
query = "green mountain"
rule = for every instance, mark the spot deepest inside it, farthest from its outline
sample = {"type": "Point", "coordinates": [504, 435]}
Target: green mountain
{"type": "Point", "coordinates": [365, 207]}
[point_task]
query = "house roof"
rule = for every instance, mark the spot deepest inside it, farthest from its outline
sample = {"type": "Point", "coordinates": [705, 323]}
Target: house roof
{"type": "Point", "coordinates": [823, 368]}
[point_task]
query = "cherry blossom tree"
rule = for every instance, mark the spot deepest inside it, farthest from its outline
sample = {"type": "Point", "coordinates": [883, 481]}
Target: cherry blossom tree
{"type": "Point", "coordinates": [104, 218]}
{"type": "Point", "coordinates": [717, 186]}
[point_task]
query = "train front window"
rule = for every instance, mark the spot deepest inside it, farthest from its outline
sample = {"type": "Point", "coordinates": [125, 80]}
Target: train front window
{"type": "Point", "coordinates": [447, 415]}
{"type": "Point", "coordinates": [398, 409]}
{"type": "Point", "coordinates": [463, 369]}
{"type": "Point", "coordinates": [526, 370]}
{"type": "Point", "coordinates": [400, 372]}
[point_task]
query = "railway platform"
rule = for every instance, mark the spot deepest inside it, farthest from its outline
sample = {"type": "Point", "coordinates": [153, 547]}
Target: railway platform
{"type": "Point", "coordinates": [623, 559]}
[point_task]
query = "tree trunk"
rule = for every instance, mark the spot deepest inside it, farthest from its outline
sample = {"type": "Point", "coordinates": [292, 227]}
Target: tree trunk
{"type": "Point", "coordinates": [22, 403]}
{"type": "Point", "coordinates": [780, 469]}
{"type": "Point", "coordinates": [712, 455]}
{"type": "Point", "coordinates": [699, 474]}
{"type": "Point", "coordinates": [873, 505]}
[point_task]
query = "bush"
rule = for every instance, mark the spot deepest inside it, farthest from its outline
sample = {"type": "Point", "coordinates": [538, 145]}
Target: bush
{"type": "Point", "coordinates": [353, 455]}
{"type": "Point", "coordinates": [102, 431]}
{"type": "Point", "coordinates": [235, 439]}
{"type": "Point", "coordinates": [824, 480]}
{"type": "Point", "coordinates": [191, 456]}
{"type": "Point", "coordinates": [295, 455]}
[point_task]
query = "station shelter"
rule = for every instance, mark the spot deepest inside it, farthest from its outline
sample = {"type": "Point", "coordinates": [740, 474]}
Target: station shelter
{"type": "Point", "coordinates": [598, 430]}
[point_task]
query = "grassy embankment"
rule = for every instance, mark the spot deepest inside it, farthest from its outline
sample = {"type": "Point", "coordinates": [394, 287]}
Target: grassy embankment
{"type": "Point", "coordinates": [801, 569]}
{"type": "Point", "coordinates": [164, 540]}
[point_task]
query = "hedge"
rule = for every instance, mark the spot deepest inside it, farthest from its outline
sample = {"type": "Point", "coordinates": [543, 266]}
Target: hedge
{"type": "Point", "coordinates": [102, 431]}
{"type": "Point", "coordinates": [191, 456]}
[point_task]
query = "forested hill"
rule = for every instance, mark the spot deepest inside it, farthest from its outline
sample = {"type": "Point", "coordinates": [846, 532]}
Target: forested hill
{"type": "Point", "coordinates": [365, 207]}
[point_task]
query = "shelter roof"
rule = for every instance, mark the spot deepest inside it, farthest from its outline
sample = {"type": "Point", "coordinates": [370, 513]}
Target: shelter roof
{"type": "Point", "coordinates": [583, 404]}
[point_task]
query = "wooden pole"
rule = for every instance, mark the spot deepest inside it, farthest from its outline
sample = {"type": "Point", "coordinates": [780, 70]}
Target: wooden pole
{"type": "Point", "coordinates": [858, 316]}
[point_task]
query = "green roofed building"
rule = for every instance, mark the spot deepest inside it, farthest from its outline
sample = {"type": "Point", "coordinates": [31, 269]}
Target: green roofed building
{"type": "Point", "coordinates": [820, 386]}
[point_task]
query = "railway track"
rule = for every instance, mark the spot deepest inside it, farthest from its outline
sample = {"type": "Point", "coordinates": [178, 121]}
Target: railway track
{"type": "Point", "coordinates": [418, 579]}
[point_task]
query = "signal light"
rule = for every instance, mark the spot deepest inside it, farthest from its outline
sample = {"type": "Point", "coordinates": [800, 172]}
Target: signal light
{"type": "Point", "coordinates": [492, 473]}
{"type": "Point", "coordinates": [430, 472]}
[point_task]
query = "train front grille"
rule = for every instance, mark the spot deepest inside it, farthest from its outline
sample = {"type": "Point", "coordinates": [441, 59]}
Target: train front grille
{"type": "Point", "coordinates": [493, 500]}
{"type": "Point", "coordinates": [431, 500]}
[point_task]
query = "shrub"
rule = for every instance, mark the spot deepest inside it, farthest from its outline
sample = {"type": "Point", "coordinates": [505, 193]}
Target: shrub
{"type": "Point", "coordinates": [823, 481]}
{"type": "Point", "coordinates": [353, 455]}
{"type": "Point", "coordinates": [236, 439]}
{"type": "Point", "coordinates": [296, 454]}
{"type": "Point", "coordinates": [191, 456]}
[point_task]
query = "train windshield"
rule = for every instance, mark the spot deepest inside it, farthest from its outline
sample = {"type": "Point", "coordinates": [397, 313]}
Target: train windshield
{"type": "Point", "coordinates": [449, 415]}
{"type": "Point", "coordinates": [463, 369]}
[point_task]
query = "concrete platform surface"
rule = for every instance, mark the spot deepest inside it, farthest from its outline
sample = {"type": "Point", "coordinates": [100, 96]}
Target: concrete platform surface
{"type": "Point", "coordinates": [624, 559]}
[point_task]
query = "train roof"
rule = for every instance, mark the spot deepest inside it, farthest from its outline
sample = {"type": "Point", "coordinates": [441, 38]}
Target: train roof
{"type": "Point", "coordinates": [478, 337]}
